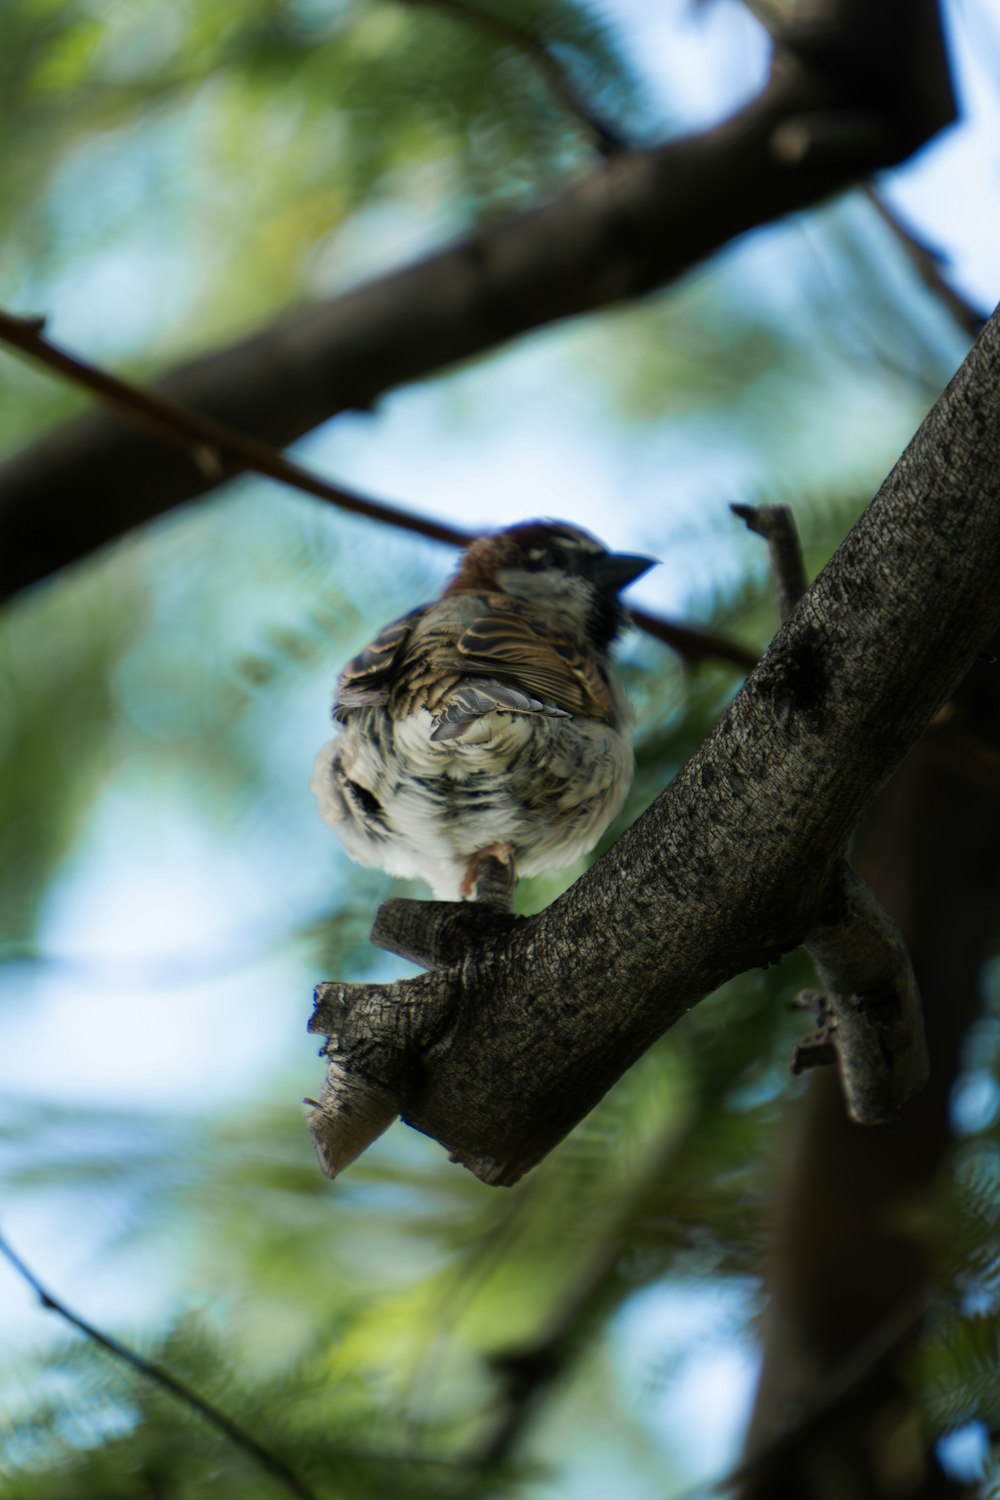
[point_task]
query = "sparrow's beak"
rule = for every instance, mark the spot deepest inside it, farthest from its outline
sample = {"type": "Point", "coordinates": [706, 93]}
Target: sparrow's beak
{"type": "Point", "coordinates": [616, 570]}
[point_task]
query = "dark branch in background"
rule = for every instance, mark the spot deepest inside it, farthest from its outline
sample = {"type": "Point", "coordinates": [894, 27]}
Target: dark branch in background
{"type": "Point", "coordinates": [860, 95]}
{"type": "Point", "coordinates": [211, 444]}
{"type": "Point", "coordinates": [534, 47]}
{"type": "Point", "coordinates": [237, 1435]}
{"type": "Point", "coordinates": [842, 1387]}
{"type": "Point", "coordinates": [927, 263]}
{"type": "Point", "coordinates": [693, 644]}
{"type": "Point", "coordinates": [869, 1018]}
{"type": "Point", "coordinates": [963, 753]}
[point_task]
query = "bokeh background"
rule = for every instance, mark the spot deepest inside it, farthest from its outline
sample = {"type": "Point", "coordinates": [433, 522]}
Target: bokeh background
{"type": "Point", "coordinates": [172, 176]}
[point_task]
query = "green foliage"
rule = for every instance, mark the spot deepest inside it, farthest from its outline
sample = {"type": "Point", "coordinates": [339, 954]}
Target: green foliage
{"type": "Point", "coordinates": [960, 1354]}
{"type": "Point", "coordinates": [54, 727]}
{"type": "Point", "coordinates": [241, 138]}
{"type": "Point", "coordinates": [134, 1439]}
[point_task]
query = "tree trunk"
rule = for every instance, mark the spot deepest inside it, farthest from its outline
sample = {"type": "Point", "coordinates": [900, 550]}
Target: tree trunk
{"type": "Point", "coordinates": [845, 1264]}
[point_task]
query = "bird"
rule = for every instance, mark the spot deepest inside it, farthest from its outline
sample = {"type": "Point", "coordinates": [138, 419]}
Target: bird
{"type": "Point", "coordinates": [488, 723]}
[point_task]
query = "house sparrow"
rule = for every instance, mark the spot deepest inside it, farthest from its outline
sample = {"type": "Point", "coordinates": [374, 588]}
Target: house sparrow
{"type": "Point", "coordinates": [488, 722]}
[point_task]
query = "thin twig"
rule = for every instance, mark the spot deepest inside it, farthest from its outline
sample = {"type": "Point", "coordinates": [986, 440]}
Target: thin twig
{"type": "Point", "coordinates": [207, 441]}
{"type": "Point", "coordinates": [693, 644]}
{"type": "Point", "coordinates": [162, 1378]}
{"type": "Point", "coordinates": [776, 524]}
{"type": "Point", "coordinates": [210, 442]}
{"type": "Point", "coordinates": [560, 84]}
{"type": "Point", "coordinates": [926, 262]}
{"type": "Point", "coordinates": [190, 1398]}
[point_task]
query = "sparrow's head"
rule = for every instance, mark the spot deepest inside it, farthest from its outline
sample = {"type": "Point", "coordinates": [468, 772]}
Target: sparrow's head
{"type": "Point", "coordinates": [560, 569]}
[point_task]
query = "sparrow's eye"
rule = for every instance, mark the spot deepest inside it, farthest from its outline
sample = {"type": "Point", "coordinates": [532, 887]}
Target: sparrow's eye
{"type": "Point", "coordinates": [569, 558]}
{"type": "Point", "coordinates": [560, 551]}
{"type": "Point", "coordinates": [550, 556]}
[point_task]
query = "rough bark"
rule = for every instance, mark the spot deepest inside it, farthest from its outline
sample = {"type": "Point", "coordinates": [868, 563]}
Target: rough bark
{"type": "Point", "coordinates": [499, 1053]}
{"type": "Point", "coordinates": [853, 89]}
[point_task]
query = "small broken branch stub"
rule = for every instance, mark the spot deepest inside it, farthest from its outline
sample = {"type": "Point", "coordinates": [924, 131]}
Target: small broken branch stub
{"type": "Point", "coordinates": [870, 1019]}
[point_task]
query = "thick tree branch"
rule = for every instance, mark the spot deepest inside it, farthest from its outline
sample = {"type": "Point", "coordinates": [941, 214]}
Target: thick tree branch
{"type": "Point", "coordinates": [499, 1054]}
{"type": "Point", "coordinates": [862, 91]}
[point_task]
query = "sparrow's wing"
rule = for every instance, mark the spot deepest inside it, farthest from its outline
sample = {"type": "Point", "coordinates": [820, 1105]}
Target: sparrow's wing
{"type": "Point", "coordinates": [553, 669]}
{"type": "Point", "coordinates": [368, 677]}
{"type": "Point", "coordinates": [476, 698]}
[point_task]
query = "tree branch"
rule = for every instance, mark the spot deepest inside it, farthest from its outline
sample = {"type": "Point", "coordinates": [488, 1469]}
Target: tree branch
{"type": "Point", "coordinates": [499, 1054]}
{"type": "Point", "coordinates": [861, 93]}
{"type": "Point", "coordinates": [843, 1253]}
{"type": "Point", "coordinates": [693, 643]}
{"type": "Point", "coordinates": [210, 446]}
